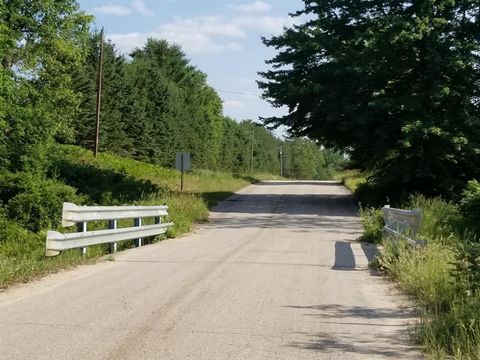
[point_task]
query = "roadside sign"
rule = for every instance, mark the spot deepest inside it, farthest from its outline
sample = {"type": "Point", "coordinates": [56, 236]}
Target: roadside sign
{"type": "Point", "coordinates": [182, 161]}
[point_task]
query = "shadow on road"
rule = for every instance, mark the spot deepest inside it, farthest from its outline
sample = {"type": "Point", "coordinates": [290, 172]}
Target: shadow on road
{"type": "Point", "coordinates": [300, 183]}
{"type": "Point", "coordinates": [341, 318]}
{"type": "Point", "coordinates": [289, 204]}
{"type": "Point", "coordinates": [370, 251]}
{"type": "Point", "coordinates": [306, 212]}
{"type": "Point", "coordinates": [344, 258]}
{"type": "Point", "coordinates": [296, 224]}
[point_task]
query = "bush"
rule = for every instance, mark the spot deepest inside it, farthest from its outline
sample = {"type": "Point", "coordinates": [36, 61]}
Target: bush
{"type": "Point", "coordinates": [443, 276]}
{"type": "Point", "coordinates": [13, 183]}
{"type": "Point", "coordinates": [372, 220]}
{"type": "Point", "coordinates": [35, 203]}
{"type": "Point", "coordinates": [421, 272]}
{"type": "Point", "coordinates": [441, 220]}
{"type": "Point", "coordinates": [466, 268]}
{"type": "Point", "coordinates": [371, 195]}
{"type": "Point", "coordinates": [470, 204]}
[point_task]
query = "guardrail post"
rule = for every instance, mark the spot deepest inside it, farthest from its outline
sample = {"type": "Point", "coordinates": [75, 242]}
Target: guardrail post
{"type": "Point", "coordinates": [158, 220]}
{"type": "Point", "coordinates": [112, 248]}
{"type": "Point", "coordinates": [82, 227]}
{"type": "Point", "coordinates": [417, 227]}
{"type": "Point", "coordinates": [137, 222]}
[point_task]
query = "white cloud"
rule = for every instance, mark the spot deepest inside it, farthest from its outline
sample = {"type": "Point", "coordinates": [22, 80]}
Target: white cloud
{"type": "Point", "coordinates": [129, 41]}
{"type": "Point", "coordinates": [256, 7]}
{"type": "Point", "coordinates": [191, 43]}
{"type": "Point", "coordinates": [118, 10]}
{"type": "Point", "coordinates": [207, 34]}
{"type": "Point", "coordinates": [207, 25]}
{"type": "Point", "coordinates": [196, 35]}
{"type": "Point", "coordinates": [198, 42]}
{"type": "Point", "coordinates": [139, 7]}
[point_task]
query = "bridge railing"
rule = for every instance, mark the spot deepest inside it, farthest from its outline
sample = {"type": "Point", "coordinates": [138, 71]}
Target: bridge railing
{"type": "Point", "coordinates": [400, 223]}
{"type": "Point", "coordinates": [81, 215]}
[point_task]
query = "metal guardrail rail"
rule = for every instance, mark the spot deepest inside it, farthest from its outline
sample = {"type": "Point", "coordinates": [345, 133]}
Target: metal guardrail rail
{"type": "Point", "coordinates": [402, 223]}
{"type": "Point", "coordinates": [81, 215]}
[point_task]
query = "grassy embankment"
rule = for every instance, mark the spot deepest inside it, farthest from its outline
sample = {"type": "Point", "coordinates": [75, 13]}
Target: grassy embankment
{"type": "Point", "coordinates": [443, 278]}
{"type": "Point", "coordinates": [351, 179]}
{"type": "Point", "coordinates": [108, 180]}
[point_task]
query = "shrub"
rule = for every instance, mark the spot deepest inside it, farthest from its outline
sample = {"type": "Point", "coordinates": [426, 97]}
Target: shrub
{"type": "Point", "coordinates": [470, 204]}
{"type": "Point", "coordinates": [443, 276]}
{"type": "Point", "coordinates": [466, 268]}
{"type": "Point", "coordinates": [13, 183]}
{"type": "Point", "coordinates": [441, 220]}
{"type": "Point", "coordinates": [371, 195]}
{"type": "Point", "coordinates": [35, 203]}
{"type": "Point", "coordinates": [372, 220]}
{"type": "Point", "coordinates": [421, 272]}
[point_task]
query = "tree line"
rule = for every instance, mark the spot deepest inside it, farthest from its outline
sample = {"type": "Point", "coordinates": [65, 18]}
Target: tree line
{"type": "Point", "coordinates": [154, 101]}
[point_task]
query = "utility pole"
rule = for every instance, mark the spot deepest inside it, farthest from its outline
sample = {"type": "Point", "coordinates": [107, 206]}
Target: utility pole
{"type": "Point", "coordinates": [99, 94]}
{"type": "Point", "coordinates": [281, 160]}
{"type": "Point", "coordinates": [253, 141]}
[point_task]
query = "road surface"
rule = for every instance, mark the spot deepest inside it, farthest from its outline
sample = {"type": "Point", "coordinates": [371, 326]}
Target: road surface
{"type": "Point", "coordinates": [276, 274]}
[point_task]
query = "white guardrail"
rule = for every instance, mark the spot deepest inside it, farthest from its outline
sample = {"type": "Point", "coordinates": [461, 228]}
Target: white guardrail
{"type": "Point", "coordinates": [402, 223]}
{"type": "Point", "coordinates": [80, 215]}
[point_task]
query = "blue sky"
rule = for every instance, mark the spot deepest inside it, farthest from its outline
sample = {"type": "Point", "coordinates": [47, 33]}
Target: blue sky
{"type": "Point", "coordinates": [222, 38]}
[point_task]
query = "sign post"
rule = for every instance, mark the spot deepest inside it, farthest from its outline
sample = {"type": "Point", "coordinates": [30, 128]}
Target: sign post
{"type": "Point", "coordinates": [182, 163]}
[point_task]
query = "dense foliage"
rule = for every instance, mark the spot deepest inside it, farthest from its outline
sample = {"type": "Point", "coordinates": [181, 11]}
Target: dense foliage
{"type": "Point", "coordinates": [40, 45]}
{"type": "Point", "coordinates": [157, 103]}
{"type": "Point", "coordinates": [396, 83]}
{"type": "Point", "coordinates": [443, 276]}
{"type": "Point", "coordinates": [154, 103]}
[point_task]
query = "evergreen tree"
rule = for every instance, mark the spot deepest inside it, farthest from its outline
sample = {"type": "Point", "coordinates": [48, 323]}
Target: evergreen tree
{"type": "Point", "coordinates": [234, 153]}
{"type": "Point", "coordinates": [182, 113]}
{"type": "Point", "coordinates": [114, 101]}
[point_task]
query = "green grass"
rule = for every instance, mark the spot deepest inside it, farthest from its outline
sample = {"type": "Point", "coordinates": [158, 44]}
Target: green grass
{"type": "Point", "coordinates": [442, 278]}
{"type": "Point", "coordinates": [113, 180]}
{"type": "Point", "coordinates": [22, 255]}
{"type": "Point", "coordinates": [351, 179]}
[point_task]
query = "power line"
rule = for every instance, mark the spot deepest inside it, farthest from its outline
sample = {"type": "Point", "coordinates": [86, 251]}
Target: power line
{"type": "Point", "coordinates": [237, 92]}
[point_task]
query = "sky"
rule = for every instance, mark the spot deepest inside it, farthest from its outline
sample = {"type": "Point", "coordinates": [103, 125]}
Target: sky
{"type": "Point", "coordinates": [221, 38]}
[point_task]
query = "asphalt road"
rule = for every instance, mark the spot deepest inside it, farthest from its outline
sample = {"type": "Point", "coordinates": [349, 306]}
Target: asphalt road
{"type": "Point", "coordinates": [276, 274]}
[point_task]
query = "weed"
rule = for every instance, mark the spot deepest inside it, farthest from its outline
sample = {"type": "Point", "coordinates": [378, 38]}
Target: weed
{"type": "Point", "coordinates": [372, 221]}
{"type": "Point", "coordinates": [443, 277]}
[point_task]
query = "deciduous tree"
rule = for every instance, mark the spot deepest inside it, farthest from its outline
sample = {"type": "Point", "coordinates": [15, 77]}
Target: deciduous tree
{"type": "Point", "coordinates": [40, 45]}
{"type": "Point", "coordinates": [394, 83]}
